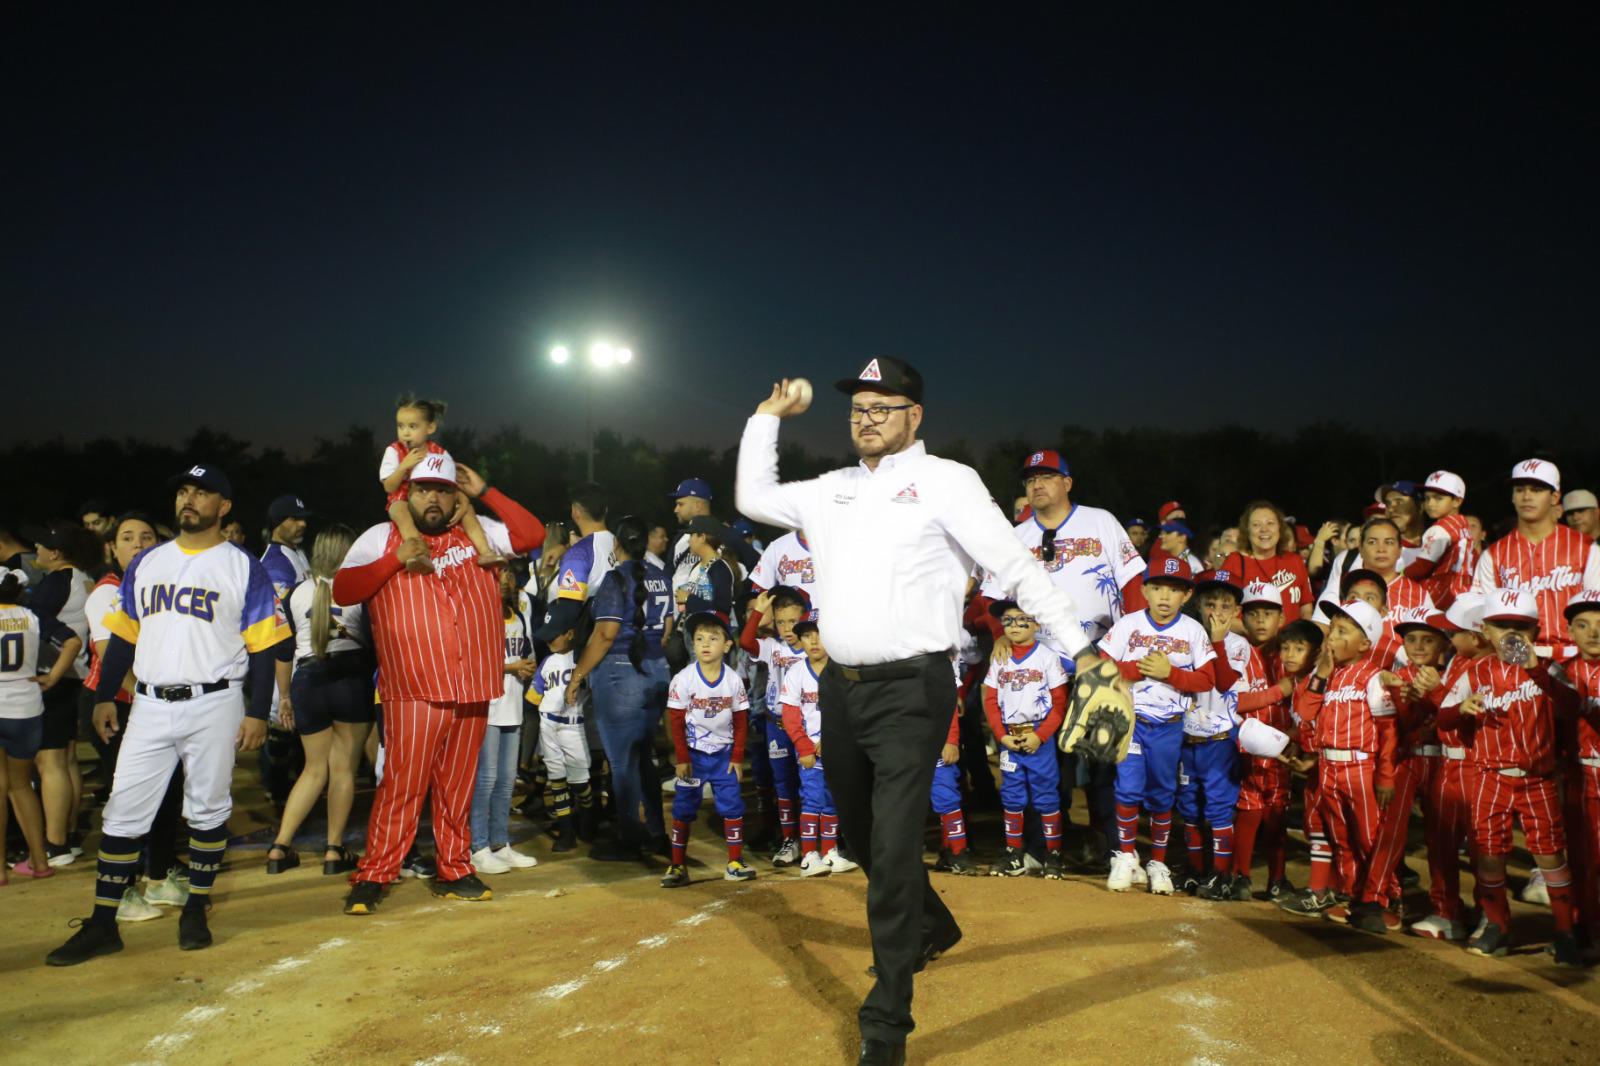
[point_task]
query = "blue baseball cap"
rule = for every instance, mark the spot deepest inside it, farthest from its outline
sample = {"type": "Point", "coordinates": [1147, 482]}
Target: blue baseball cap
{"type": "Point", "coordinates": [206, 476]}
{"type": "Point", "coordinates": [1050, 460]}
{"type": "Point", "coordinates": [1176, 527]}
{"type": "Point", "coordinates": [743, 527]}
{"type": "Point", "coordinates": [698, 487]}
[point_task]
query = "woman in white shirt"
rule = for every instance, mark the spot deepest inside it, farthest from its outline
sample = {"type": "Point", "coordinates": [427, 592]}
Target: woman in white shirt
{"type": "Point", "coordinates": [329, 705]}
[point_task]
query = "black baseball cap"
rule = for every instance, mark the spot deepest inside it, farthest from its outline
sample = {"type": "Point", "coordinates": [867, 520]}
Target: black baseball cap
{"type": "Point", "coordinates": [286, 507]}
{"type": "Point", "coordinates": [562, 616]}
{"type": "Point", "coordinates": [206, 476]}
{"type": "Point", "coordinates": [884, 373]}
{"type": "Point", "coordinates": [704, 523]}
{"type": "Point", "coordinates": [51, 535]}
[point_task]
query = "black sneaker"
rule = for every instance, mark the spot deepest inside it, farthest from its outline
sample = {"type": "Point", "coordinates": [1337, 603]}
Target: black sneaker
{"type": "Point", "coordinates": [1307, 903]}
{"type": "Point", "coordinates": [1055, 865]}
{"type": "Point", "coordinates": [1011, 864]}
{"type": "Point", "coordinates": [1567, 950]}
{"type": "Point", "coordinates": [92, 939]}
{"type": "Point", "coordinates": [1187, 883]}
{"type": "Point", "coordinates": [467, 888]}
{"type": "Point", "coordinates": [1216, 888]}
{"type": "Point", "coordinates": [1281, 889]}
{"type": "Point", "coordinates": [1368, 917]}
{"type": "Point", "coordinates": [193, 932]}
{"type": "Point", "coordinates": [363, 898]}
{"type": "Point", "coordinates": [1409, 878]}
{"type": "Point", "coordinates": [1491, 941]}
{"type": "Point", "coordinates": [962, 864]}
{"type": "Point", "coordinates": [942, 865]}
{"type": "Point", "coordinates": [417, 864]}
{"type": "Point", "coordinates": [1241, 890]}
{"type": "Point", "coordinates": [675, 877]}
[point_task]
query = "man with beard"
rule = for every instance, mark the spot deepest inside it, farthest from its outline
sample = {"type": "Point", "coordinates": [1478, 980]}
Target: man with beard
{"type": "Point", "coordinates": [284, 559]}
{"type": "Point", "coordinates": [196, 617]}
{"type": "Point", "coordinates": [440, 644]}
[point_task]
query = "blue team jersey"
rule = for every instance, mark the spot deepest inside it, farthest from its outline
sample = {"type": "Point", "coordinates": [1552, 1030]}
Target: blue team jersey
{"type": "Point", "coordinates": [614, 603]}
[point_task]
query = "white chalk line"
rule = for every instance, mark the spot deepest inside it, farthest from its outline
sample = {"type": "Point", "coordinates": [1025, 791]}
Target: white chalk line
{"type": "Point", "coordinates": [561, 990]}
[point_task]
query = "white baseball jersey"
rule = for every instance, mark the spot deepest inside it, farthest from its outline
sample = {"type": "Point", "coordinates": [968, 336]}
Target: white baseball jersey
{"type": "Point", "coordinates": [708, 706]}
{"type": "Point", "coordinates": [1094, 559]}
{"type": "Point", "coordinates": [1187, 647]}
{"type": "Point", "coordinates": [1022, 686]}
{"type": "Point", "coordinates": [787, 561]}
{"type": "Point", "coordinates": [196, 617]}
{"type": "Point", "coordinates": [102, 600]}
{"type": "Point", "coordinates": [20, 636]}
{"type": "Point", "coordinates": [1216, 712]}
{"type": "Point", "coordinates": [800, 688]}
{"type": "Point", "coordinates": [562, 745]}
{"type": "Point", "coordinates": [74, 615]}
{"type": "Point", "coordinates": [585, 565]}
{"type": "Point", "coordinates": [507, 710]}
{"type": "Point", "coordinates": [779, 657]}
{"type": "Point", "coordinates": [549, 689]}
{"type": "Point", "coordinates": [347, 628]}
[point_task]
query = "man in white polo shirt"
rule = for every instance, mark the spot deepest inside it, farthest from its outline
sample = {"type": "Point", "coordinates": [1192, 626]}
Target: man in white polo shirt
{"type": "Point", "coordinates": [894, 539]}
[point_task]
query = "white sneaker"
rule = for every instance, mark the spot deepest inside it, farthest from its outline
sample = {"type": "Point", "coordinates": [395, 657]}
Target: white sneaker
{"type": "Point", "coordinates": [1122, 866]}
{"type": "Point", "coordinates": [812, 864]}
{"type": "Point", "coordinates": [1535, 891]}
{"type": "Point", "coordinates": [484, 861]}
{"type": "Point", "coordinates": [788, 855]}
{"type": "Point", "coordinates": [168, 892]}
{"type": "Point", "coordinates": [1438, 927]}
{"type": "Point", "coordinates": [133, 908]}
{"type": "Point", "coordinates": [515, 859]}
{"type": "Point", "coordinates": [669, 787]}
{"type": "Point", "coordinates": [1031, 864]}
{"type": "Point", "coordinates": [1160, 878]}
{"type": "Point", "coordinates": [839, 864]}
{"type": "Point", "coordinates": [1138, 871]}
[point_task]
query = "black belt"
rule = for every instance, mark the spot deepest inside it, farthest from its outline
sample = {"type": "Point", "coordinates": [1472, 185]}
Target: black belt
{"type": "Point", "coordinates": [902, 668]}
{"type": "Point", "coordinates": [179, 693]}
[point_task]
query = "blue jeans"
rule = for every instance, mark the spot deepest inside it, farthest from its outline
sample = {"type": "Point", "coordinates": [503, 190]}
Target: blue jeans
{"type": "Point", "coordinates": [627, 708]}
{"type": "Point", "coordinates": [497, 775]}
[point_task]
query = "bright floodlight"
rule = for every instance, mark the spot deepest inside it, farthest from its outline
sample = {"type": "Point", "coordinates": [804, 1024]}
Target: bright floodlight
{"type": "Point", "coordinates": [624, 355]}
{"type": "Point", "coordinates": [559, 354]}
{"type": "Point", "coordinates": [602, 354]}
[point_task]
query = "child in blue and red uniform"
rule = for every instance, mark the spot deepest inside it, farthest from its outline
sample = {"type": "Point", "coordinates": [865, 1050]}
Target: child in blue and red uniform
{"type": "Point", "coordinates": [802, 721]}
{"type": "Point", "coordinates": [783, 607]}
{"type": "Point", "coordinates": [1025, 699]}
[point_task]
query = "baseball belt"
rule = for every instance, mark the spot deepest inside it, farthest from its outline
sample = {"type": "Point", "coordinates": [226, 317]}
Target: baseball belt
{"type": "Point", "coordinates": [1224, 735]}
{"type": "Point", "coordinates": [1344, 755]}
{"type": "Point", "coordinates": [1589, 760]}
{"type": "Point", "coordinates": [563, 719]}
{"type": "Point", "coordinates": [179, 693]}
{"type": "Point", "coordinates": [1021, 729]}
{"type": "Point", "coordinates": [1458, 754]}
{"type": "Point", "coordinates": [1430, 750]}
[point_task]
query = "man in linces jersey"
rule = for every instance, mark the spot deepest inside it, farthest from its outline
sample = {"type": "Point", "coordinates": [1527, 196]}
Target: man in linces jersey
{"type": "Point", "coordinates": [440, 643]}
{"type": "Point", "coordinates": [197, 616]}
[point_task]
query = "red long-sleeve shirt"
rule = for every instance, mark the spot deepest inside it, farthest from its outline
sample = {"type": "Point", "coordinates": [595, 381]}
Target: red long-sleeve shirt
{"type": "Point", "coordinates": [1354, 713]}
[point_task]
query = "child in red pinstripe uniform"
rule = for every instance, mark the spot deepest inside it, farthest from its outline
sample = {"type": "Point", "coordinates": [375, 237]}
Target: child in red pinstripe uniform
{"type": "Point", "coordinates": [1264, 791]}
{"type": "Point", "coordinates": [1506, 701]}
{"type": "Point", "coordinates": [1583, 769]}
{"type": "Point", "coordinates": [1355, 739]}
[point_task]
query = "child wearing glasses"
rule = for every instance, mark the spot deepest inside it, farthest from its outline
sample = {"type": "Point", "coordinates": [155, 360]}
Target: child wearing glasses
{"type": "Point", "coordinates": [1025, 700]}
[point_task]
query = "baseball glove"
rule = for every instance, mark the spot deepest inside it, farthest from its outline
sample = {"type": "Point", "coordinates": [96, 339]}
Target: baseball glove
{"type": "Point", "coordinates": [1099, 722]}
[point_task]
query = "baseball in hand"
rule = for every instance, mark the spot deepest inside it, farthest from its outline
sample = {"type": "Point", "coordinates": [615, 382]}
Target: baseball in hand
{"type": "Point", "coordinates": [799, 394]}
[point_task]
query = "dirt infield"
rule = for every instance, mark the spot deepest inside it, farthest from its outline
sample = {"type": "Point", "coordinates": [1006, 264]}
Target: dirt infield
{"type": "Point", "coordinates": [577, 962]}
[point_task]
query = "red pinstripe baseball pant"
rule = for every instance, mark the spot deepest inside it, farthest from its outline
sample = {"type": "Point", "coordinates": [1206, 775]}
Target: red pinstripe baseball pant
{"type": "Point", "coordinates": [1532, 800]}
{"type": "Point", "coordinates": [1411, 776]}
{"type": "Point", "coordinates": [426, 745]}
{"type": "Point", "coordinates": [1447, 823]}
{"type": "Point", "coordinates": [1581, 812]}
{"type": "Point", "coordinates": [1350, 817]}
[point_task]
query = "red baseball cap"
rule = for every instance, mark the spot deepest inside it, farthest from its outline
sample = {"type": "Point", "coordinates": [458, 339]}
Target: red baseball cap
{"type": "Point", "coordinates": [1167, 508]}
{"type": "Point", "coordinates": [1169, 568]}
{"type": "Point", "coordinates": [1049, 459]}
{"type": "Point", "coordinates": [1302, 536]}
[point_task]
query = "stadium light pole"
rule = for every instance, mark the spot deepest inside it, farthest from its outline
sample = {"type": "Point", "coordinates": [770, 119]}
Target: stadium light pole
{"type": "Point", "coordinates": [602, 357]}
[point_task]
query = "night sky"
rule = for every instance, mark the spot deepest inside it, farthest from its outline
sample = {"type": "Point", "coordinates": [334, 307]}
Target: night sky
{"type": "Point", "coordinates": [275, 226]}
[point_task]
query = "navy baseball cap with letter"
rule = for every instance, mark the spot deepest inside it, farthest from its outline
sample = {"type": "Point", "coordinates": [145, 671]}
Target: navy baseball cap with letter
{"type": "Point", "coordinates": [562, 616]}
{"type": "Point", "coordinates": [206, 476]}
{"type": "Point", "coordinates": [886, 374]}
{"type": "Point", "coordinates": [1049, 461]}
{"type": "Point", "coordinates": [286, 507]}
{"type": "Point", "coordinates": [698, 487]}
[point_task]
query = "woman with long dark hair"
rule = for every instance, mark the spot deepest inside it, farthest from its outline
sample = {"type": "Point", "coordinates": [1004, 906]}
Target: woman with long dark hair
{"type": "Point", "coordinates": [330, 704]}
{"type": "Point", "coordinates": [626, 661]}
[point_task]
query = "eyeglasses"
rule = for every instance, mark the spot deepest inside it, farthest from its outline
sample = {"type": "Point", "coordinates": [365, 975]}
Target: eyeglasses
{"type": "Point", "coordinates": [878, 413]}
{"type": "Point", "coordinates": [1014, 620]}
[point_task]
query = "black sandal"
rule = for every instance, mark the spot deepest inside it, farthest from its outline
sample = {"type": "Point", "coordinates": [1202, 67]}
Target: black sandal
{"type": "Point", "coordinates": [342, 865]}
{"type": "Point", "coordinates": [290, 860]}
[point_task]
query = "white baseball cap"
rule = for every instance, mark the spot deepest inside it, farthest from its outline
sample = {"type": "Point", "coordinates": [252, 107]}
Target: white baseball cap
{"type": "Point", "coordinates": [1585, 600]}
{"type": "Point", "coordinates": [1466, 612]}
{"type": "Point", "coordinates": [1258, 738]}
{"type": "Point", "coordinates": [1262, 594]}
{"type": "Point", "coordinates": [1579, 500]}
{"type": "Point", "coordinates": [437, 466]}
{"type": "Point", "coordinates": [1510, 605]}
{"type": "Point", "coordinates": [1541, 470]}
{"type": "Point", "coordinates": [1446, 482]}
{"type": "Point", "coordinates": [1364, 615]}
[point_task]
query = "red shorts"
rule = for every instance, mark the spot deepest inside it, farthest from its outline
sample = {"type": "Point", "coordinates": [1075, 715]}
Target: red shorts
{"type": "Point", "coordinates": [1265, 786]}
{"type": "Point", "coordinates": [1533, 800]}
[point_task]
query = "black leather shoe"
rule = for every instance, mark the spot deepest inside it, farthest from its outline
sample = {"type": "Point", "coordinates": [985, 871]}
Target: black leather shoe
{"type": "Point", "coordinates": [875, 1052]}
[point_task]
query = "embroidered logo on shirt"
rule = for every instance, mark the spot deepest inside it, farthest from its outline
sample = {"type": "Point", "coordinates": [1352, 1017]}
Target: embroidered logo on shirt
{"type": "Point", "coordinates": [908, 494]}
{"type": "Point", "coordinates": [569, 582]}
{"type": "Point", "coordinates": [872, 373]}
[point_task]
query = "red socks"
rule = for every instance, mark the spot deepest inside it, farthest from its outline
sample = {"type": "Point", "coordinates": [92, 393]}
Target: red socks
{"type": "Point", "coordinates": [733, 829]}
{"type": "Point", "coordinates": [1559, 884]}
{"type": "Point", "coordinates": [1013, 822]}
{"type": "Point", "coordinates": [1493, 897]}
{"type": "Point", "coordinates": [1051, 823]}
{"type": "Point", "coordinates": [808, 833]}
{"type": "Point", "coordinates": [830, 832]}
{"type": "Point", "coordinates": [1195, 842]}
{"type": "Point", "coordinates": [1222, 849]}
{"type": "Point", "coordinates": [1127, 826]}
{"type": "Point", "coordinates": [1160, 831]}
{"type": "Point", "coordinates": [954, 829]}
{"type": "Point", "coordinates": [788, 824]}
{"type": "Point", "coordinates": [680, 842]}
{"type": "Point", "coordinates": [1245, 825]}
{"type": "Point", "coordinates": [1321, 863]}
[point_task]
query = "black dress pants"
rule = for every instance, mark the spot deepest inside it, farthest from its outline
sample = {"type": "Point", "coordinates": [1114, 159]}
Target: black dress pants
{"type": "Point", "coordinates": [882, 730]}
